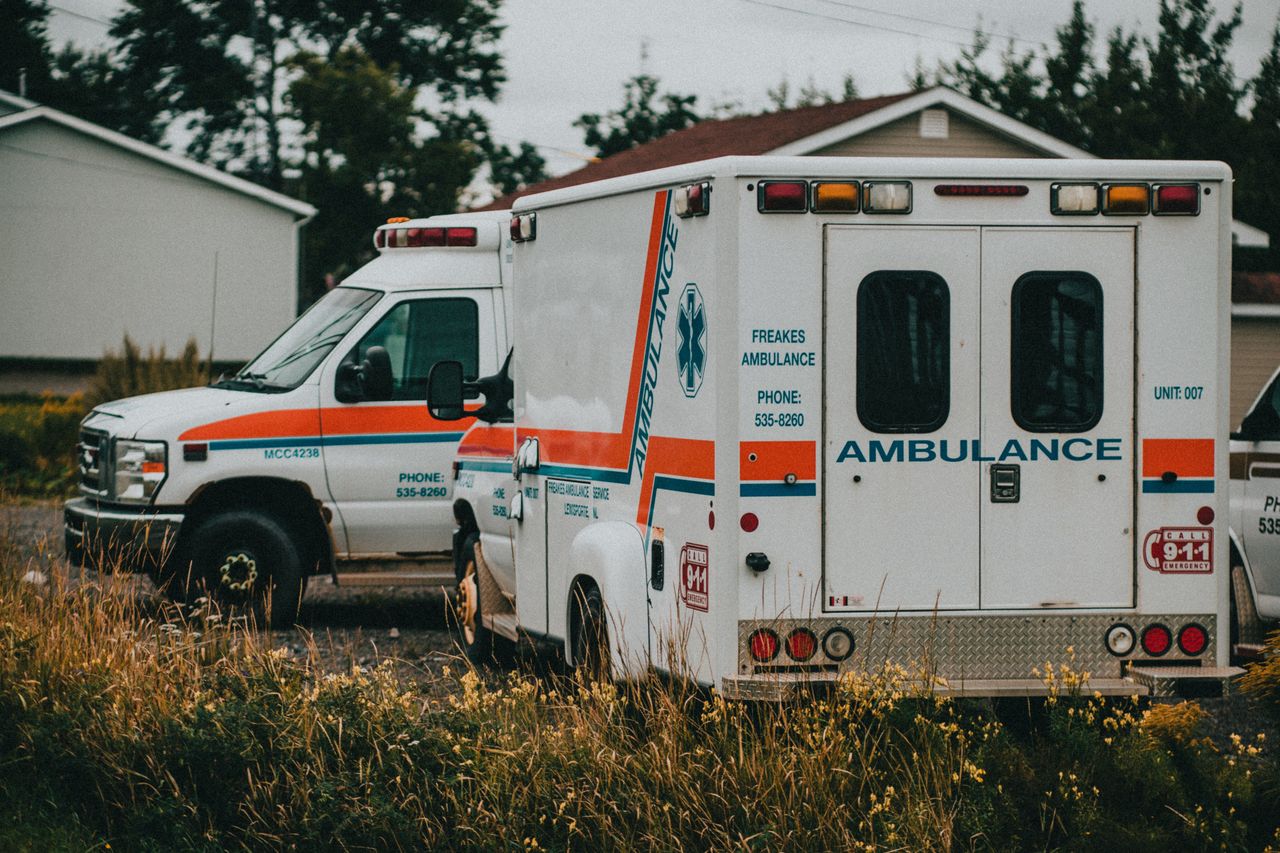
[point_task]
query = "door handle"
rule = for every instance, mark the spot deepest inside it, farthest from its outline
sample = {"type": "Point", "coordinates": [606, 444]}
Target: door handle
{"type": "Point", "coordinates": [1006, 484]}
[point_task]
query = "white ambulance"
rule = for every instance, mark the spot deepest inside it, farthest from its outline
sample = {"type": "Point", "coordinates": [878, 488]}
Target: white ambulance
{"type": "Point", "coordinates": [1255, 522]}
{"type": "Point", "coordinates": [778, 418]}
{"type": "Point", "coordinates": [321, 448]}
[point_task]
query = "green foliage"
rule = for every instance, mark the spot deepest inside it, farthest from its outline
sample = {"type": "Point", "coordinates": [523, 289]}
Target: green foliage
{"type": "Point", "coordinates": [128, 373]}
{"type": "Point", "coordinates": [38, 444]}
{"type": "Point", "coordinates": [644, 116]}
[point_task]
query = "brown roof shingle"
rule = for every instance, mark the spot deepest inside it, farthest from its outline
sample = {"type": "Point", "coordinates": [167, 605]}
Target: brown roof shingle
{"type": "Point", "coordinates": [741, 135]}
{"type": "Point", "coordinates": [1255, 288]}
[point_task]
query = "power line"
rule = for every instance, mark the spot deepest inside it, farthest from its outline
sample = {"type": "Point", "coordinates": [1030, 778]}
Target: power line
{"type": "Point", "coordinates": [73, 13]}
{"type": "Point", "coordinates": [930, 21]}
{"type": "Point", "coordinates": [864, 24]}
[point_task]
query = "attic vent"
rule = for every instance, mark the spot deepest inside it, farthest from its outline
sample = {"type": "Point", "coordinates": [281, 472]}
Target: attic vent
{"type": "Point", "coordinates": [933, 124]}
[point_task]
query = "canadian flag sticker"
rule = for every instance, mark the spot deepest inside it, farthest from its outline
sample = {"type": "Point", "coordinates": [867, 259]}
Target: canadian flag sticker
{"type": "Point", "coordinates": [694, 560]}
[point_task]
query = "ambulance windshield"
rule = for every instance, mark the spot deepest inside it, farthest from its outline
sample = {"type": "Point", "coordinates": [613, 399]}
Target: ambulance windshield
{"type": "Point", "coordinates": [292, 356]}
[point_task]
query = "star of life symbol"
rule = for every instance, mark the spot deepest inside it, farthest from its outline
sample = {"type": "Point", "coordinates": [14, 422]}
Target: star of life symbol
{"type": "Point", "coordinates": [691, 331]}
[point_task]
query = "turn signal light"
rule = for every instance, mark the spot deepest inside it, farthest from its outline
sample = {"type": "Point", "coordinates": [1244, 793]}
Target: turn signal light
{"type": "Point", "coordinates": [886, 197]}
{"type": "Point", "coordinates": [1193, 639]}
{"type": "Point", "coordinates": [1156, 640]}
{"type": "Point", "coordinates": [763, 644]}
{"type": "Point", "coordinates": [1177, 200]}
{"type": "Point", "coordinates": [835, 197]}
{"type": "Point", "coordinates": [801, 644]}
{"type": "Point", "coordinates": [1125, 199]}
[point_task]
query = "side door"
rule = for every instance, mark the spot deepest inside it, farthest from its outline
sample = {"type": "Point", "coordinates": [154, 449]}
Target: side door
{"type": "Point", "coordinates": [900, 371]}
{"type": "Point", "coordinates": [1057, 417]}
{"type": "Point", "coordinates": [1261, 515]}
{"type": "Point", "coordinates": [388, 462]}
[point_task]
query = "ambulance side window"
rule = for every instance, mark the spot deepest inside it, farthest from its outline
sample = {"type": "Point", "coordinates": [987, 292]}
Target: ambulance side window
{"type": "Point", "coordinates": [904, 351]}
{"type": "Point", "coordinates": [419, 333]}
{"type": "Point", "coordinates": [1057, 352]}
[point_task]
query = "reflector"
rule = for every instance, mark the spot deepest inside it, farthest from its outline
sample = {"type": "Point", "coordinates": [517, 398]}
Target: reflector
{"type": "Point", "coordinates": [835, 197]}
{"type": "Point", "coordinates": [1177, 200]}
{"type": "Point", "coordinates": [782, 197]}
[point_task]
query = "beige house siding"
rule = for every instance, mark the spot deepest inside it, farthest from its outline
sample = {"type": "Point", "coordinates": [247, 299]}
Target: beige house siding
{"type": "Point", "coordinates": [1255, 355]}
{"type": "Point", "coordinates": [901, 138]}
{"type": "Point", "coordinates": [98, 241]}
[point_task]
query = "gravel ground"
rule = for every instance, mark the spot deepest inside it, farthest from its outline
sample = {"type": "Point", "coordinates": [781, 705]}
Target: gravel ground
{"type": "Point", "coordinates": [365, 626]}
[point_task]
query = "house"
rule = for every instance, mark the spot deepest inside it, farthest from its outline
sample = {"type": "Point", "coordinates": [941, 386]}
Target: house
{"type": "Point", "coordinates": [936, 122]}
{"type": "Point", "coordinates": [102, 235]}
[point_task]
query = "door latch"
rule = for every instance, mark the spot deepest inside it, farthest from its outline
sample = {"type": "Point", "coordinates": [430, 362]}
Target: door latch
{"type": "Point", "coordinates": [1006, 484]}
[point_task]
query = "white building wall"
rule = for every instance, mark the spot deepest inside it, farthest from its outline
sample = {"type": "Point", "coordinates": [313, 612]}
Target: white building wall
{"type": "Point", "coordinates": [96, 242]}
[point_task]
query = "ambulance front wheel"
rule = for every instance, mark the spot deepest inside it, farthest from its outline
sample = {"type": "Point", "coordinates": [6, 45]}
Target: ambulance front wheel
{"type": "Point", "coordinates": [589, 635]}
{"type": "Point", "coordinates": [247, 563]}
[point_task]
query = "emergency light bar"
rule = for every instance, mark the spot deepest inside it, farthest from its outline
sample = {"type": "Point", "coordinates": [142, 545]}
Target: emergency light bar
{"type": "Point", "coordinates": [693, 200]}
{"type": "Point", "coordinates": [524, 227]}
{"type": "Point", "coordinates": [418, 238]}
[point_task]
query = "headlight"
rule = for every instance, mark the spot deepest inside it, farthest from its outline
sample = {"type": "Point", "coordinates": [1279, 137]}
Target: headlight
{"type": "Point", "coordinates": [140, 468]}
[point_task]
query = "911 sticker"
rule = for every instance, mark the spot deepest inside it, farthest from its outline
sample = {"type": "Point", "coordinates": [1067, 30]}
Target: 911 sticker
{"type": "Point", "coordinates": [694, 590]}
{"type": "Point", "coordinates": [1179, 550]}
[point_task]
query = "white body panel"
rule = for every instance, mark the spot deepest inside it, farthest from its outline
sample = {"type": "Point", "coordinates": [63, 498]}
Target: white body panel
{"type": "Point", "coordinates": [745, 446]}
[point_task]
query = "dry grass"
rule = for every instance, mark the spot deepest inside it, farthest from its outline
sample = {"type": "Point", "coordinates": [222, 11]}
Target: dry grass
{"type": "Point", "coordinates": [128, 724]}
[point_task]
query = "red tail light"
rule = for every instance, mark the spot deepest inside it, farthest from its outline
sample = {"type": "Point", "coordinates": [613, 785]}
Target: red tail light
{"type": "Point", "coordinates": [1177, 200]}
{"type": "Point", "coordinates": [460, 236]}
{"type": "Point", "coordinates": [1193, 639]}
{"type": "Point", "coordinates": [801, 644]}
{"type": "Point", "coordinates": [782, 197]}
{"type": "Point", "coordinates": [763, 644]}
{"type": "Point", "coordinates": [379, 239]}
{"type": "Point", "coordinates": [1156, 640]}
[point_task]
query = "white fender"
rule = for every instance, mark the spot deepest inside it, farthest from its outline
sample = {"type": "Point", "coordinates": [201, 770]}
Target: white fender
{"type": "Point", "coordinates": [611, 553]}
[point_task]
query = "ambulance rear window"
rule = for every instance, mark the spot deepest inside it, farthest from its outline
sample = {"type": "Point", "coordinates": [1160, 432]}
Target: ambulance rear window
{"type": "Point", "coordinates": [1057, 352]}
{"type": "Point", "coordinates": [904, 361]}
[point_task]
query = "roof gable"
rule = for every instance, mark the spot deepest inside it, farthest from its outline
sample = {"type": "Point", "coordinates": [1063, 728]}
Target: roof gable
{"type": "Point", "coordinates": [300, 209]}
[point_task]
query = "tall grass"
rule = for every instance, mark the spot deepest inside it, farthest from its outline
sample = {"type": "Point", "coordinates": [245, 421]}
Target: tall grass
{"type": "Point", "coordinates": [125, 723]}
{"type": "Point", "coordinates": [128, 372]}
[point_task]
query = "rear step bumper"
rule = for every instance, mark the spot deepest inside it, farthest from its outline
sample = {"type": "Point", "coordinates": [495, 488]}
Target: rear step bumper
{"type": "Point", "coordinates": [1140, 681]}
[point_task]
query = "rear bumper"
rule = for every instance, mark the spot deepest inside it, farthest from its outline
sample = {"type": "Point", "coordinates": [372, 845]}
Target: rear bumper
{"type": "Point", "coordinates": [118, 538]}
{"type": "Point", "coordinates": [780, 687]}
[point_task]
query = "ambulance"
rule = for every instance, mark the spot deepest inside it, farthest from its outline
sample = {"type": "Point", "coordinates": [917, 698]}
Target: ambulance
{"type": "Point", "coordinates": [773, 420]}
{"type": "Point", "coordinates": [1255, 522]}
{"type": "Point", "coordinates": [319, 449]}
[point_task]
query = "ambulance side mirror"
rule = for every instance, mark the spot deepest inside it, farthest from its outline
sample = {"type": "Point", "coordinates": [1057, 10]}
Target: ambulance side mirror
{"type": "Point", "coordinates": [445, 390]}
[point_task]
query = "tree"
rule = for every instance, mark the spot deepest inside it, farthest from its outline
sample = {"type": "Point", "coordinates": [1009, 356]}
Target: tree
{"type": "Point", "coordinates": [644, 116]}
{"type": "Point", "coordinates": [24, 42]}
{"type": "Point", "coordinates": [1259, 174]}
{"type": "Point", "coordinates": [511, 171]}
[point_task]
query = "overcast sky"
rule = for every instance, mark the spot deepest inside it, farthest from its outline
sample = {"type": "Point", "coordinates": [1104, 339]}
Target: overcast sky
{"type": "Point", "coordinates": [567, 57]}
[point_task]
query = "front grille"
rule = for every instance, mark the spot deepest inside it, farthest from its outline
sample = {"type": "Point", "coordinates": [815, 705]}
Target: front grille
{"type": "Point", "coordinates": [91, 459]}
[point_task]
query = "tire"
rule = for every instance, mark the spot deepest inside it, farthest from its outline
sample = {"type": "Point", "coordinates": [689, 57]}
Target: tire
{"type": "Point", "coordinates": [1246, 626]}
{"type": "Point", "coordinates": [472, 637]}
{"type": "Point", "coordinates": [244, 560]}
{"type": "Point", "coordinates": [589, 636]}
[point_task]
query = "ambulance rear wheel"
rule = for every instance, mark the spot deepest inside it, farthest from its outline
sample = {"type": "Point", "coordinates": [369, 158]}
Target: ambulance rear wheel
{"type": "Point", "coordinates": [589, 636]}
{"type": "Point", "coordinates": [248, 564]}
{"type": "Point", "coordinates": [475, 640]}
